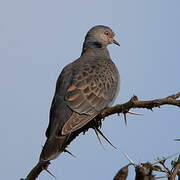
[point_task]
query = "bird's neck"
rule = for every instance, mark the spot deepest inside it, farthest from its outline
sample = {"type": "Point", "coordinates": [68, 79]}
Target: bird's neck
{"type": "Point", "coordinates": [95, 49]}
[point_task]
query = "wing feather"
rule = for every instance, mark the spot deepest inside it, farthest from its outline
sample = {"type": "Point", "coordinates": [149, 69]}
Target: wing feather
{"type": "Point", "coordinates": [75, 122]}
{"type": "Point", "coordinates": [92, 88]}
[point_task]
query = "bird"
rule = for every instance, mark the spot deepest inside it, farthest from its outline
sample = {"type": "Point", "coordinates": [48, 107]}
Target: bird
{"type": "Point", "coordinates": [84, 88]}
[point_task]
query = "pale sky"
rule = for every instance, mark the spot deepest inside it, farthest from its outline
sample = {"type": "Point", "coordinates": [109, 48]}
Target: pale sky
{"type": "Point", "coordinates": [39, 37]}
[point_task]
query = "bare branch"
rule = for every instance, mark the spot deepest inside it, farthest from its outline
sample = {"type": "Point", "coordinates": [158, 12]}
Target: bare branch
{"type": "Point", "coordinates": [135, 103]}
{"type": "Point", "coordinates": [121, 108]}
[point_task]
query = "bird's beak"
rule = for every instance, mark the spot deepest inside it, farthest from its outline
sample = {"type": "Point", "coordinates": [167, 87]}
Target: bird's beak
{"type": "Point", "coordinates": [115, 42]}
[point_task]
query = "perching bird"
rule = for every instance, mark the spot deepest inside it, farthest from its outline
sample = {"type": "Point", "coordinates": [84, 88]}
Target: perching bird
{"type": "Point", "coordinates": [83, 89]}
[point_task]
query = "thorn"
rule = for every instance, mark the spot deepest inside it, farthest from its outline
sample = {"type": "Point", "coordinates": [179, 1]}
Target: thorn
{"type": "Point", "coordinates": [70, 153]}
{"type": "Point", "coordinates": [50, 173]}
{"type": "Point", "coordinates": [95, 129]}
{"type": "Point", "coordinates": [106, 138]}
{"type": "Point", "coordinates": [134, 113]}
{"type": "Point", "coordinates": [129, 159]}
{"type": "Point", "coordinates": [125, 119]}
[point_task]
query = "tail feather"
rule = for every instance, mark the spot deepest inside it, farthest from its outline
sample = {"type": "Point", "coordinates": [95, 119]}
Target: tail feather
{"type": "Point", "coordinates": [56, 142]}
{"type": "Point", "coordinates": [53, 147]}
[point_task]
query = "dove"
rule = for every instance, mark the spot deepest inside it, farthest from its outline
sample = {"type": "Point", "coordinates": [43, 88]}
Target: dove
{"type": "Point", "coordinates": [84, 88]}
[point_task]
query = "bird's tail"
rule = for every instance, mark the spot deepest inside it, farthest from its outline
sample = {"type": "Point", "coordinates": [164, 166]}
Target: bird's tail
{"type": "Point", "coordinates": [53, 147]}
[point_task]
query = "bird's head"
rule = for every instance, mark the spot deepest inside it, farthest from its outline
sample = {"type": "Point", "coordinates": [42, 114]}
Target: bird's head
{"type": "Point", "coordinates": [101, 35]}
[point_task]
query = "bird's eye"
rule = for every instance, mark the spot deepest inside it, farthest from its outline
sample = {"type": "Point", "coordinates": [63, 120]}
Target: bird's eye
{"type": "Point", "coordinates": [106, 33]}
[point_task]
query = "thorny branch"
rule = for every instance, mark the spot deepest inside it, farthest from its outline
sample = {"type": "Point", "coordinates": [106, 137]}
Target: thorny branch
{"type": "Point", "coordinates": [135, 103]}
{"type": "Point", "coordinates": [120, 108]}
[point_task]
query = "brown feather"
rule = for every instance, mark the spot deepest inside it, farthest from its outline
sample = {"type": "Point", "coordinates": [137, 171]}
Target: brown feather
{"type": "Point", "coordinates": [75, 122]}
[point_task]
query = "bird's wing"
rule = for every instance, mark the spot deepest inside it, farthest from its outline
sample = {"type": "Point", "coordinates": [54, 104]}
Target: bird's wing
{"type": "Point", "coordinates": [90, 91]}
{"type": "Point", "coordinates": [60, 112]}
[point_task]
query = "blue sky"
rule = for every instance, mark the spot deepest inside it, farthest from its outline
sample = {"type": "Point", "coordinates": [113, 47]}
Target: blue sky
{"type": "Point", "coordinates": [39, 37]}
